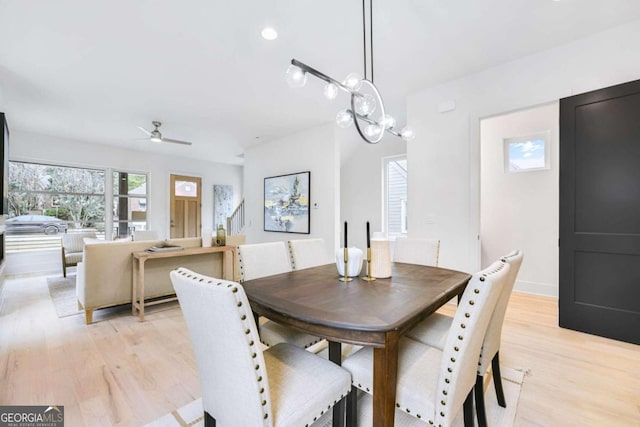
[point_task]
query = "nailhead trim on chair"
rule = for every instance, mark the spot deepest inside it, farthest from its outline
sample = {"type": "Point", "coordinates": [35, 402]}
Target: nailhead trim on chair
{"type": "Point", "coordinates": [504, 260]}
{"type": "Point", "coordinates": [461, 333]}
{"type": "Point", "coordinates": [251, 343]}
{"type": "Point", "coordinates": [240, 264]}
{"type": "Point", "coordinates": [306, 345]}
{"type": "Point", "coordinates": [293, 261]}
{"type": "Point", "coordinates": [342, 395]}
{"type": "Point", "coordinates": [445, 392]}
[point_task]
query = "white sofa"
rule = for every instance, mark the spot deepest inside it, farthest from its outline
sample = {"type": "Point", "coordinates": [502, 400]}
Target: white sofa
{"type": "Point", "coordinates": [104, 277]}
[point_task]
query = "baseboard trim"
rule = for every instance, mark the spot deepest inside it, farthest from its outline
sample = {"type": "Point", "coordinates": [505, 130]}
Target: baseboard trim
{"type": "Point", "coordinates": [536, 288]}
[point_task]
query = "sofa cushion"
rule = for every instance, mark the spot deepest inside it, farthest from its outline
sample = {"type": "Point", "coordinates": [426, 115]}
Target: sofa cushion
{"type": "Point", "coordinates": [186, 242]}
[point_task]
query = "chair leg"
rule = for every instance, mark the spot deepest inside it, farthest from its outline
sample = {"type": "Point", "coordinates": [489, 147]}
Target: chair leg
{"type": "Point", "coordinates": [468, 410]}
{"type": "Point", "coordinates": [480, 412]}
{"type": "Point", "coordinates": [497, 380]}
{"type": "Point", "coordinates": [338, 413]}
{"type": "Point", "coordinates": [209, 421]}
{"type": "Point", "coordinates": [64, 271]}
{"type": "Point", "coordinates": [88, 316]}
{"type": "Point", "coordinates": [352, 407]}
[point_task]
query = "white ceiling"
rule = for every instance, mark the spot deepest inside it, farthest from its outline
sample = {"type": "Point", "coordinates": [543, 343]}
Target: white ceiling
{"type": "Point", "coordinates": [94, 70]}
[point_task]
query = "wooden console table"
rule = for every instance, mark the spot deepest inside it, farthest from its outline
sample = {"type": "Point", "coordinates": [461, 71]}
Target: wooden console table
{"type": "Point", "coordinates": [139, 258]}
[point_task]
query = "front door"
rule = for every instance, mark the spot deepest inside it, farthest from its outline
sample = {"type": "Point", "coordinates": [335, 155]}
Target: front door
{"type": "Point", "coordinates": [600, 212]}
{"type": "Point", "coordinates": [185, 206]}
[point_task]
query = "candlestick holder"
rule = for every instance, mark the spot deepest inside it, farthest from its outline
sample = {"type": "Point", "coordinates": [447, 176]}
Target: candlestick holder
{"type": "Point", "coordinates": [346, 277]}
{"type": "Point", "coordinates": [368, 277]}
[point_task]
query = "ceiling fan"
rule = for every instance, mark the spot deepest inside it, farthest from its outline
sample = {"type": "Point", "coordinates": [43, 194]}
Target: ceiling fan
{"type": "Point", "coordinates": [156, 136]}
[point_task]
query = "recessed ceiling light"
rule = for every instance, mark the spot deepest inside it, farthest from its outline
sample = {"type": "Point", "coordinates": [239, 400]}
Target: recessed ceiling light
{"type": "Point", "coordinates": [269, 33]}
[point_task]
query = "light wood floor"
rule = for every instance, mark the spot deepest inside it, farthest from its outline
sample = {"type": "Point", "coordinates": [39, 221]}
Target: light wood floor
{"type": "Point", "coordinates": [119, 371]}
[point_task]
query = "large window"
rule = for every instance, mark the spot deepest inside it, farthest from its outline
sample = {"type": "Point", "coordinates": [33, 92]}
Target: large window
{"type": "Point", "coordinates": [46, 200]}
{"type": "Point", "coordinates": [129, 203]}
{"type": "Point", "coordinates": [395, 195]}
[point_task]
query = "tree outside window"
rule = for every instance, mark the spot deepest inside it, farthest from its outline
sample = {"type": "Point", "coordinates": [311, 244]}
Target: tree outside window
{"type": "Point", "coordinates": [74, 195]}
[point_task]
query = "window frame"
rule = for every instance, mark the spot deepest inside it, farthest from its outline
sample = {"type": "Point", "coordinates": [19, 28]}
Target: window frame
{"type": "Point", "coordinates": [115, 194]}
{"type": "Point", "coordinates": [108, 195]}
{"type": "Point", "coordinates": [56, 196]}
{"type": "Point", "coordinates": [544, 136]}
{"type": "Point", "coordinates": [385, 197]}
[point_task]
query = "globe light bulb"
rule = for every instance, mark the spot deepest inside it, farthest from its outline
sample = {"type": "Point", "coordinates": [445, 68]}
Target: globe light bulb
{"type": "Point", "coordinates": [353, 81]}
{"type": "Point", "coordinates": [365, 105]}
{"type": "Point", "coordinates": [372, 130]}
{"type": "Point", "coordinates": [344, 118]}
{"type": "Point", "coordinates": [295, 76]}
{"type": "Point", "coordinates": [407, 133]}
{"type": "Point", "coordinates": [330, 91]}
{"type": "Point", "coordinates": [388, 121]}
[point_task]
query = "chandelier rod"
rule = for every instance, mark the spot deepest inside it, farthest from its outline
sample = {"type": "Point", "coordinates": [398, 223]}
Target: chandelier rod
{"type": "Point", "coordinates": [324, 77]}
{"type": "Point", "coordinates": [364, 40]}
{"type": "Point", "coordinates": [371, 36]}
{"type": "Point", "coordinates": [367, 64]}
{"type": "Point", "coordinates": [373, 122]}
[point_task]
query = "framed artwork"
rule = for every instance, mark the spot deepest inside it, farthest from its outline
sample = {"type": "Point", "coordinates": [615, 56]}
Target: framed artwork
{"type": "Point", "coordinates": [527, 153]}
{"type": "Point", "coordinates": [286, 203]}
{"type": "Point", "coordinates": [222, 204]}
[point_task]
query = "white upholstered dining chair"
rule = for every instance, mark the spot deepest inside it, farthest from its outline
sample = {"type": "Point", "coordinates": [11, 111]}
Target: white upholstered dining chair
{"type": "Point", "coordinates": [242, 385]}
{"type": "Point", "coordinates": [307, 253]}
{"type": "Point", "coordinates": [416, 251]}
{"type": "Point", "coordinates": [434, 330]}
{"type": "Point", "coordinates": [268, 259]}
{"type": "Point", "coordinates": [433, 384]}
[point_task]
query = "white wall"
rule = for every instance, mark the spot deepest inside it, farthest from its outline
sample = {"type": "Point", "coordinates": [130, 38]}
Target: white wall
{"type": "Point", "coordinates": [520, 210]}
{"type": "Point", "coordinates": [444, 158]}
{"type": "Point", "coordinates": [312, 150]}
{"type": "Point", "coordinates": [361, 181]}
{"type": "Point", "coordinates": [47, 149]}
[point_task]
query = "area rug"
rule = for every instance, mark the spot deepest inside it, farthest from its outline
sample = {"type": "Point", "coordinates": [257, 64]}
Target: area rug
{"type": "Point", "coordinates": [191, 414]}
{"type": "Point", "coordinates": [63, 295]}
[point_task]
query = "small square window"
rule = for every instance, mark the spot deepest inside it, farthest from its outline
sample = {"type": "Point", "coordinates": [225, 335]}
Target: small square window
{"type": "Point", "coordinates": [527, 153]}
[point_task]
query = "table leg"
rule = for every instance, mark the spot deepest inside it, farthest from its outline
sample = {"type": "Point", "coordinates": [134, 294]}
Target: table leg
{"type": "Point", "coordinates": [385, 372]}
{"type": "Point", "coordinates": [134, 288]}
{"type": "Point", "coordinates": [228, 258]}
{"type": "Point", "coordinates": [225, 256]}
{"type": "Point", "coordinates": [141, 289]}
{"type": "Point", "coordinates": [335, 356]}
{"type": "Point", "coordinates": [335, 352]}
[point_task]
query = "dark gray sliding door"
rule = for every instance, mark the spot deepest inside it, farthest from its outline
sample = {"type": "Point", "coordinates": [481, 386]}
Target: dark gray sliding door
{"type": "Point", "coordinates": [600, 212]}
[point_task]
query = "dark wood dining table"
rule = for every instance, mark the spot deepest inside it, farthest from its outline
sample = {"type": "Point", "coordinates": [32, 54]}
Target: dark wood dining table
{"type": "Point", "coordinates": [374, 314]}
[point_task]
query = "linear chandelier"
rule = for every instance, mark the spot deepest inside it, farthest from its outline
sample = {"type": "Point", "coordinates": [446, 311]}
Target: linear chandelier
{"type": "Point", "coordinates": [367, 110]}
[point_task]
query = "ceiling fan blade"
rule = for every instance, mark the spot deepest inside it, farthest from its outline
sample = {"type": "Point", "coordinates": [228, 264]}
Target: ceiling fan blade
{"type": "Point", "coordinates": [144, 130]}
{"type": "Point", "coordinates": [176, 141]}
